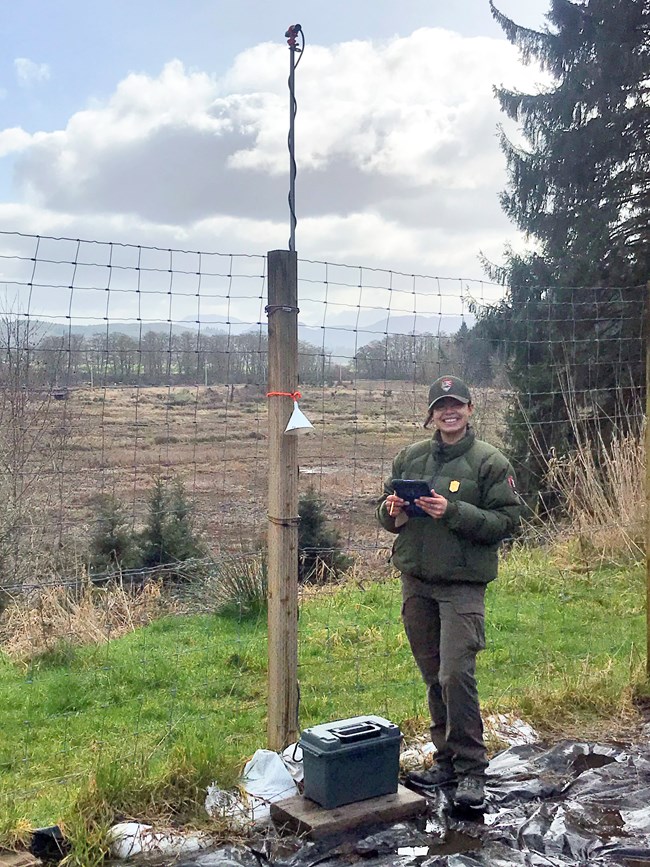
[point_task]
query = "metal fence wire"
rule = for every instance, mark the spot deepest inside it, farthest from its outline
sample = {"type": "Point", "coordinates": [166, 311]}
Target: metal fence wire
{"type": "Point", "coordinates": [133, 383]}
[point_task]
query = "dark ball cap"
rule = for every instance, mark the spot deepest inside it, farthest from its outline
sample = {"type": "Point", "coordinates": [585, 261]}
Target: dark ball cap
{"type": "Point", "coordinates": [449, 386]}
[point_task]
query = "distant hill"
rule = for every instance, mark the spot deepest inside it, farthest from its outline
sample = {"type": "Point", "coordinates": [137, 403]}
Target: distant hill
{"type": "Point", "coordinates": [132, 329]}
{"type": "Point", "coordinates": [345, 339]}
{"type": "Point", "coordinates": [342, 335]}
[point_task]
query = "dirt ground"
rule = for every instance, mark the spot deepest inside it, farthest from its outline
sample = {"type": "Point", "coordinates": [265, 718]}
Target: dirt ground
{"type": "Point", "coordinates": [214, 439]}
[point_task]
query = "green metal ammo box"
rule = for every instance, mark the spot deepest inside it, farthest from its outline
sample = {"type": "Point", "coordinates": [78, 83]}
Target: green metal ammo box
{"type": "Point", "coordinates": [350, 760]}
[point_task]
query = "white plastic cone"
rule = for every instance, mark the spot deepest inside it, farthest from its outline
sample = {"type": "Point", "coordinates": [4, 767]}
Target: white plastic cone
{"type": "Point", "coordinates": [298, 423]}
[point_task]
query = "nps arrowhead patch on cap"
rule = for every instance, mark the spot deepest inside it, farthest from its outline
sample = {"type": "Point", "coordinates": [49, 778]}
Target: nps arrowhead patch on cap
{"type": "Point", "coordinates": [449, 386]}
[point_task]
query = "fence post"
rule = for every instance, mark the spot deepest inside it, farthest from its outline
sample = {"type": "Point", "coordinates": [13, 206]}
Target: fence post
{"type": "Point", "coordinates": [647, 473]}
{"type": "Point", "coordinates": [282, 310]}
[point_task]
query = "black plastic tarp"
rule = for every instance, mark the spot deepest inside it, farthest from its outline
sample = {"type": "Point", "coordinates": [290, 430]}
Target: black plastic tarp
{"type": "Point", "coordinates": [572, 804]}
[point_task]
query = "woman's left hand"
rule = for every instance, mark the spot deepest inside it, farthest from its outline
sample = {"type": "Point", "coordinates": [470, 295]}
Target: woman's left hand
{"type": "Point", "coordinates": [435, 506]}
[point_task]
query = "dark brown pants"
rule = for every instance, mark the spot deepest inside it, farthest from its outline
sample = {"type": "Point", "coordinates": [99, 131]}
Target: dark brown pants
{"type": "Point", "coordinates": [445, 638]}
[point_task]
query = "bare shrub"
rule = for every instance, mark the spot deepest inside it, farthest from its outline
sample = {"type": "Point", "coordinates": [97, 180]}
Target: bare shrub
{"type": "Point", "coordinates": [37, 622]}
{"type": "Point", "coordinates": [33, 433]}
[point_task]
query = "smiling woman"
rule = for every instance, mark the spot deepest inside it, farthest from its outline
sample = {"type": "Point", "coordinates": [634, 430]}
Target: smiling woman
{"type": "Point", "coordinates": [451, 418]}
{"type": "Point", "coordinates": [447, 554]}
{"type": "Point", "coordinates": [450, 407]}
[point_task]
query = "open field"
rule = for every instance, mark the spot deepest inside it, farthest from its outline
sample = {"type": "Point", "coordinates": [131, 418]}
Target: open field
{"type": "Point", "coordinates": [116, 440]}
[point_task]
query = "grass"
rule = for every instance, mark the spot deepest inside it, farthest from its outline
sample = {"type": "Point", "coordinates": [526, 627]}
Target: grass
{"type": "Point", "coordinates": [42, 623]}
{"type": "Point", "coordinates": [580, 642]}
{"type": "Point", "coordinates": [137, 726]}
{"type": "Point", "coordinates": [154, 707]}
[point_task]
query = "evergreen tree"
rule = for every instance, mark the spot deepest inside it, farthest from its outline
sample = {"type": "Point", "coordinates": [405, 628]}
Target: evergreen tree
{"type": "Point", "coordinates": [181, 538]}
{"type": "Point", "coordinates": [319, 546]}
{"type": "Point", "coordinates": [580, 188]}
{"type": "Point", "coordinates": [475, 356]}
{"type": "Point", "coordinates": [113, 543]}
{"type": "Point", "coordinates": [168, 536]}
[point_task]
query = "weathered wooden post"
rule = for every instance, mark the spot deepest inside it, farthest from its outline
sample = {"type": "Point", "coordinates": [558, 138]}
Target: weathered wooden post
{"type": "Point", "coordinates": [282, 310]}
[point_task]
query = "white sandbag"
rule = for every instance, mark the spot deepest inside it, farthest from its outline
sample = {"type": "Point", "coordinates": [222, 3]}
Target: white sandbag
{"type": "Point", "coordinates": [266, 779]}
{"type": "Point", "coordinates": [128, 839]}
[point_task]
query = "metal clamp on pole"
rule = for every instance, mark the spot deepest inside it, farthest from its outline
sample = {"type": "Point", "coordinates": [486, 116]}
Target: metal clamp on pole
{"type": "Point", "coordinates": [270, 309]}
{"type": "Point", "coordinates": [284, 522]}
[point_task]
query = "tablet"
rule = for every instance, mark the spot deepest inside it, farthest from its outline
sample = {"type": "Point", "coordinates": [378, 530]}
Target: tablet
{"type": "Point", "coordinates": [410, 490]}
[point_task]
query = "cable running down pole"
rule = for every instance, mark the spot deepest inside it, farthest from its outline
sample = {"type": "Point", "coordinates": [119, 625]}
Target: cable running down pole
{"type": "Point", "coordinates": [293, 34]}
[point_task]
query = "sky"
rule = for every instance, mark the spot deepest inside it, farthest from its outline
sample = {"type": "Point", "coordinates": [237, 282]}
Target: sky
{"type": "Point", "coordinates": [165, 123]}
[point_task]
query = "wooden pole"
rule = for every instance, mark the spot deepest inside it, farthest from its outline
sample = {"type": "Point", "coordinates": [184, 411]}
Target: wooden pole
{"type": "Point", "coordinates": [647, 473]}
{"type": "Point", "coordinates": [282, 310]}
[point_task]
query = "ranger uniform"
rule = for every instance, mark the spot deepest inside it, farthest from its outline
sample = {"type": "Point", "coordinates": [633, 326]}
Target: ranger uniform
{"type": "Point", "coordinates": [446, 558]}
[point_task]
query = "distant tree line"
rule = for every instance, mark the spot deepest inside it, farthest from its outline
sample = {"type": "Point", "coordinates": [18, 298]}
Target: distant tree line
{"type": "Point", "coordinates": [155, 358]}
{"type": "Point", "coordinates": [423, 357]}
{"type": "Point", "coordinates": [160, 358]}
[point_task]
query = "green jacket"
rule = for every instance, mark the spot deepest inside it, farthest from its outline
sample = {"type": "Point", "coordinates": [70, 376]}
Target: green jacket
{"type": "Point", "coordinates": [484, 508]}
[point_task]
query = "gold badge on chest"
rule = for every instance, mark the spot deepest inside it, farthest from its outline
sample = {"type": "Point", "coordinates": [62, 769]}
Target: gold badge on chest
{"type": "Point", "coordinates": [454, 486]}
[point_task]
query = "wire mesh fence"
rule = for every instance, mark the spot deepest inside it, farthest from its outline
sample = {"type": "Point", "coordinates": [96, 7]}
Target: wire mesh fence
{"type": "Point", "coordinates": [133, 446]}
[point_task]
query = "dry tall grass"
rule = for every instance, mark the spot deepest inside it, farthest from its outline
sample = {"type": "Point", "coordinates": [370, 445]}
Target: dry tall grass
{"type": "Point", "coordinates": [603, 492]}
{"type": "Point", "coordinates": [601, 485]}
{"type": "Point", "coordinates": [37, 622]}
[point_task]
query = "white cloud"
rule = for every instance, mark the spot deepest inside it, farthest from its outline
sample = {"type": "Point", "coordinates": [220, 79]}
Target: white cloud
{"type": "Point", "coordinates": [29, 73]}
{"type": "Point", "coordinates": [398, 160]}
{"type": "Point", "coordinates": [13, 140]}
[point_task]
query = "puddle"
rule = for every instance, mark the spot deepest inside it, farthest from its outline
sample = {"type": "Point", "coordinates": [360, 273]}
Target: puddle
{"type": "Point", "coordinates": [591, 761]}
{"type": "Point", "coordinates": [450, 841]}
{"type": "Point", "coordinates": [632, 861]}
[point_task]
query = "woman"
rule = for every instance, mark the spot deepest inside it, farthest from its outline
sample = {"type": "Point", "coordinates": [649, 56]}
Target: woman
{"type": "Point", "coordinates": [446, 557]}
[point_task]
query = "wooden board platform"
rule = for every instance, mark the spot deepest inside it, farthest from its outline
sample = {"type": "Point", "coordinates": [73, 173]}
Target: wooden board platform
{"type": "Point", "coordinates": [18, 859]}
{"type": "Point", "coordinates": [299, 815]}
